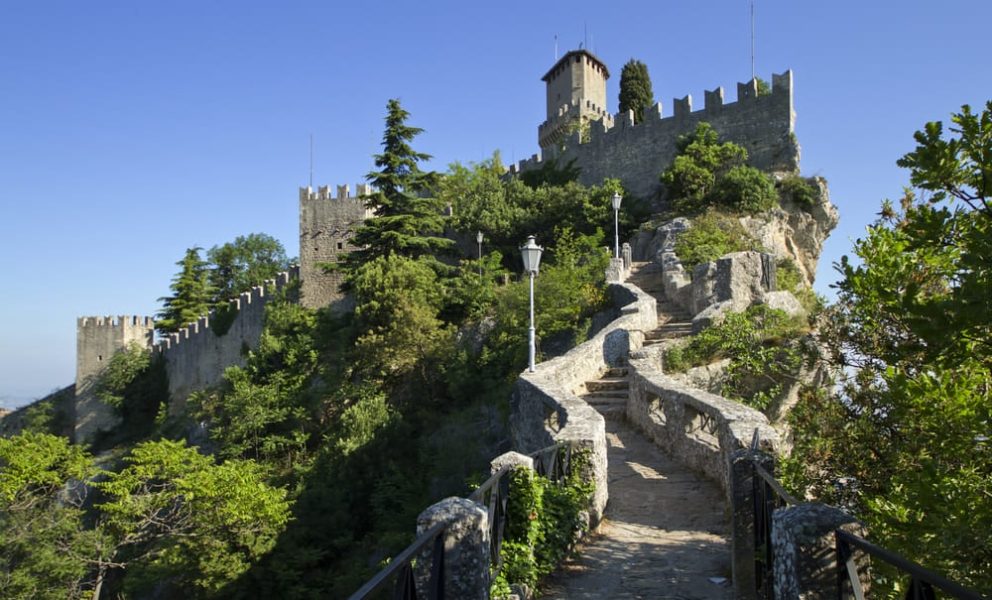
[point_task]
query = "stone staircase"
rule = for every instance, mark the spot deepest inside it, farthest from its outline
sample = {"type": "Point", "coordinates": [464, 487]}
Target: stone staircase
{"type": "Point", "coordinates": [673, 321]}
{"type": "Point", "coordinates": [609, 393]}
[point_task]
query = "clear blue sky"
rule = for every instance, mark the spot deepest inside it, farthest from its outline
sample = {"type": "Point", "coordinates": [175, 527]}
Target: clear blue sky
{"type": "Point", "coordinates": [130, 131]}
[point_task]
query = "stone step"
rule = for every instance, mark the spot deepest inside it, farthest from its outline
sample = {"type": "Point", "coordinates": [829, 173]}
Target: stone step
{"type": "Point", "coordinates": [606, 394]}
{"type": "Point", "coordinates": [605, 384]}
{"type": "Point", "coordinates": [616, 372]}
{"type": "Point", "coordinates": [600, 400]}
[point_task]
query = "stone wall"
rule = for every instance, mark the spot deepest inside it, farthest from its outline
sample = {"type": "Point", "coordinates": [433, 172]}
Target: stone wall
{"type": "Point", "coordinates": [700, 429]}
{"type": "Point", "coordinates": [637, 154]}
{"type": "Point", "coordinates": [326, 225]}
{"type": "Point", "coordinates": [97, 340]}
{"type": "Point", "coordinates": [196, 356]}
{"type": "Point", "coordinates": [545, 407]}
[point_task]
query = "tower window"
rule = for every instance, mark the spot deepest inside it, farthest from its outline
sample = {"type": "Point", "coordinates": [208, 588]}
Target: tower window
{"type": "Point", "coordinates": [340, 246]}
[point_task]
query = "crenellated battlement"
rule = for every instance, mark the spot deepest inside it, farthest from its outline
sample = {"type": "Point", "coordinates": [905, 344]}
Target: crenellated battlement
{"type": "Point", "coordinates": [257, 296]}
{"type": "Point", "coordinates": [115, 321]}
{"type": "Point", "coordinates": [637, 153]}
{"type": "Point", "coordinates": [343, 192]}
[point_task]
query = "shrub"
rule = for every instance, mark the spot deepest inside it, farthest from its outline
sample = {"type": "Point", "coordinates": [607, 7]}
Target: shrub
{"type": "Point", "coordinates": [711, 236]}
{"type": "Point", "coordinates": [763, 346]}
{"type": "Point", "coordinates": [801, 190]}
{"type": "Point", "coordinates": [745, 189]}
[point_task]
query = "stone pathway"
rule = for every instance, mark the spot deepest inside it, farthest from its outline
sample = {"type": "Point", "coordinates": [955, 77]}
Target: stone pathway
{"type": "Point", "coordinates": [664, 534]}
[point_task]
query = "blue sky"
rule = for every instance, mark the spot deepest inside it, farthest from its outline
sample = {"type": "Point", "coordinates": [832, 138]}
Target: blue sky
{"type": "Point", "coordinates": [130, 131]}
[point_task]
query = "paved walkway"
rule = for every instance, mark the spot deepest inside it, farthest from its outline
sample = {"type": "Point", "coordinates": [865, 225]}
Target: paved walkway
{"type": "Point", "coordinates": [664, 534]}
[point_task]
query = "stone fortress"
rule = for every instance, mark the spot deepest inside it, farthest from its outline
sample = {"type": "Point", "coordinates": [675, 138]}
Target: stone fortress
{"type": "Point", "coordinates": [613, 146]}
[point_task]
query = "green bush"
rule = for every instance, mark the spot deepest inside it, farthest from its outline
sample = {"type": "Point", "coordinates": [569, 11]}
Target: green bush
{"type": "Point", "coordinates": [745, 189]}
{"type": "Point", "coordinates": [712, 235]}
{"type": "Point", "coordinates": [543, 518]}
{"type": "Point", "coordinates": [800, 189]}
{"type": "Point", "coordinates": [762, 345]}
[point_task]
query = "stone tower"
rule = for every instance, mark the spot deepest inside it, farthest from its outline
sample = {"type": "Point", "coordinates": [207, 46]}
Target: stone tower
{"type": "Point", "coordinates": [576, 94]}
{"type": "Point", "coordinates": [97, 340]}
{"type": "Point", "coordinates": [326, 226]}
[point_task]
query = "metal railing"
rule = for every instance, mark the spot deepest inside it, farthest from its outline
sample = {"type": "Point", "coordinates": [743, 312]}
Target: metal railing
{"type": "Point", "coordinates": [769, 495]}
{"type": "Point", "coordinates": [553, 462]}
{"type": "Point", "coordinates": [923, 583]}
{"type": "Point", "coordinates": [400, 570]}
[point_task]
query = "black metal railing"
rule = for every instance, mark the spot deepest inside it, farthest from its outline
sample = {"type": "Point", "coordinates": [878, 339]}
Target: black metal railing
{"type": "Point", "coordinates": [769, 495]}
{"type": "Point", "coordinates": [553, 462]}
{"type": "Point", "coordinates": [400, 570]}
{"type": "Point", "coordinates": [923, 583]}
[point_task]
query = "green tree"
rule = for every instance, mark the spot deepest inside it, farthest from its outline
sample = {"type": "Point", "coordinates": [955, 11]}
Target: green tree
{"type": "Point", "coordinates": [406, 220]}
{"type": "Point", "coordinates": [247, 261]}
{"type": "Point", "coordinates": [635, 89]}
{"type": "Point", "coordinates": [913, 324]}
{"type": "Point", "coordinates": [192, 295]}
{"type": "Point", "coordinates": [707, 172]}
{"type": "Point", "coordinates": [177, 517]}
{"type": "Point", "coordinates": [45, 550]}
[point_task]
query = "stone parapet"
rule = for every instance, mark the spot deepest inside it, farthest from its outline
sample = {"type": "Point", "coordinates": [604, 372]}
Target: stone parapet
{"type": "Point", "coordinates": [545, 408]}
{"type": "Point", "coordinates": [700, 429]}
{"type": "Point", "coordinates": [466, 548]}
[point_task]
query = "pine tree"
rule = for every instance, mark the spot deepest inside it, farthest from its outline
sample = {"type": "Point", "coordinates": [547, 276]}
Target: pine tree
{"type": "Point", "coordinates": [407, 221]}
{"type": "Point", "coordinates": [191, 294]}
{"type": "Point", "coordinates": [635, 89]}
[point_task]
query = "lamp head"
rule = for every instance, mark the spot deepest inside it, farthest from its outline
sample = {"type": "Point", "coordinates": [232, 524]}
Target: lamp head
{"type": "Point", "coordinates": [478, 237]}
{"type": "Point", "coordinates": [531, 254]}
{"type": "Point", "coordinates": [617, 198]}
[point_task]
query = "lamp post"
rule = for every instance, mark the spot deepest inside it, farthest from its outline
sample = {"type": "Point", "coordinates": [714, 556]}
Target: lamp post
{"type": "Point", "coordinates": [617, 198]}
{"type": "Point", "coordinates": [479, 238]}
{"type": "Point", "coordinates": [531, 254]}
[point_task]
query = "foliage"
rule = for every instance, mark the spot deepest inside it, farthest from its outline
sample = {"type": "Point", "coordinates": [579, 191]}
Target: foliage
{"type": "Point", "coordinates": [764, 349]}
{"type": "Point", "coordinates": [706, 173]}
{"type": "Point", "coordinates": [913, 324]}
{"type": "Point", "coordinates": [259, 415]}
{"type": "Point", "coordinates": [406, 220]}
{"type": "Point", "coordinates": [397, 304]}
{"type": "Point", "coordinates": [543, 518]}
{"type": "Point", "coordinates": [551, 173]}
{"type": "Point", "coordinates": [192, 295]}
{"type": "Point", "coordinates": [764, 89]}
{"type": "Point", "coordinates": [635, 89]}
{"type": "Point", "coordinates": [188, 520]}
{"type": "Point", "coordinates": [44, 546]}
{"type": "Point", "coordinates": [122, 369]}
{"type": "Point", "coordinates": [712, 235]}
{"type": "Point", "coordinates": [746, 189]}
{"type": "Point", "coordinates": [247, 261]}
{"type": "Point", "coordinates": [801, 190]}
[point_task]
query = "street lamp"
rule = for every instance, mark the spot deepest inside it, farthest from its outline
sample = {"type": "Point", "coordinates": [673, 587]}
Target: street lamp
{"type": "Point", "coordinates": [478, 238]}
{"type": "Point", "coordinates": [531, 253]}
{"type": "Point", "coordinates": [617, 198]}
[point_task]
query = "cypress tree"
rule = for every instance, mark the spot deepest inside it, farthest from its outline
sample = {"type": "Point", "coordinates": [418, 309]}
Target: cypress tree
{"type": "Point", "coordinates": [635, 89]}
{"type": "Point", "coordinates": [191, 296]}
{"type": "Point", "coordinates": [407, 220]}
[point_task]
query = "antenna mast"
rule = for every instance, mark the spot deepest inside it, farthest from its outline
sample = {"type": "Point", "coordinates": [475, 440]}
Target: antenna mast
{"type": "Point", "coordinates": [311, 160]}
{"type": "Point", "coordinates": [752, 39]}
{"type": "Point", "coordinates": [556, 47]}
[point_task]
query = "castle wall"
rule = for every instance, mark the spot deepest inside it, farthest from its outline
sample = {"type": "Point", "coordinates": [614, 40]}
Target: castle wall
{"type": "Point", "coordinates": [637, 154]}
{"type": "Point", "coordinates": [196, 357]}
{"type": "Point", "coordinates": [97, 340]}
{"type": "Point", "coordinates": [326, 226]}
